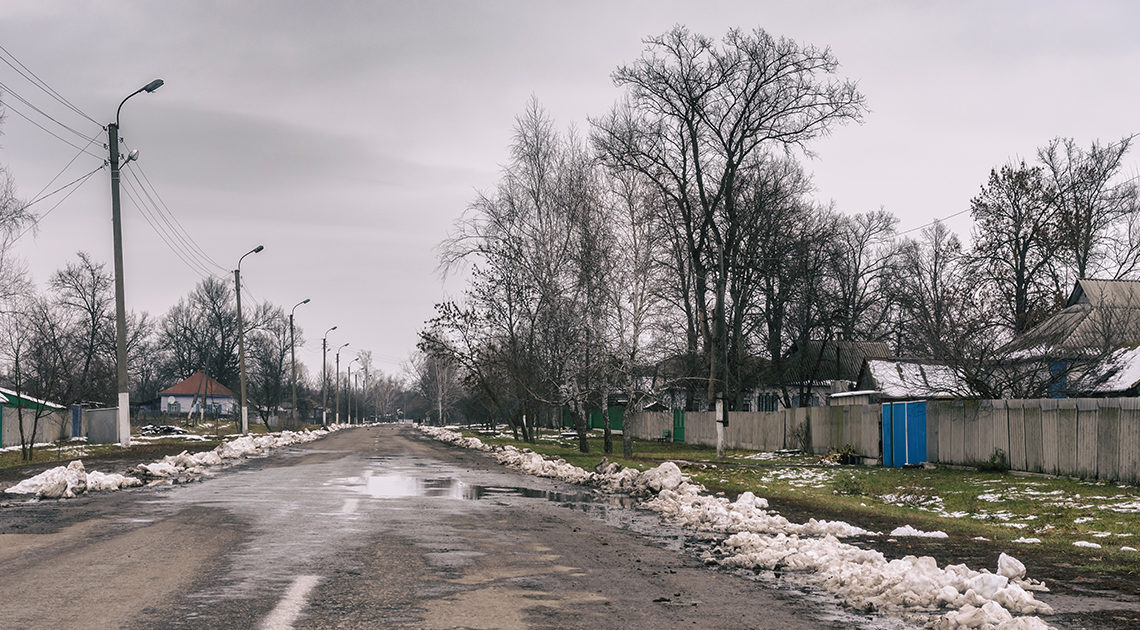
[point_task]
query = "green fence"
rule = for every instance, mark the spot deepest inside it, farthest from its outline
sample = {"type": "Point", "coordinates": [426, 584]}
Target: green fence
{"type": "Point", "coordinates": [595, 418]}
{"type": "Point", "coordinates": [679, 425]}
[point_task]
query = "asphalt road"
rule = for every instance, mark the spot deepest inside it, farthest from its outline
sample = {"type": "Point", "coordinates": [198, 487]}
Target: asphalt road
{"type": "Point", "coordinates": [373, 527]}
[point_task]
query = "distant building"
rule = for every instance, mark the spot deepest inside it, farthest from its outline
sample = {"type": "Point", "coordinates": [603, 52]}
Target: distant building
{"type": "Point", "coordinates": [815, 371]}
{"type": "Point", "coordinates": [9, 398]}
{"type": "Point", "coordinates": [894, 380]}
{"type": "Point", "coordinates": [196, 394]}
{"type": "Point", "coordinates": [1089, 346]}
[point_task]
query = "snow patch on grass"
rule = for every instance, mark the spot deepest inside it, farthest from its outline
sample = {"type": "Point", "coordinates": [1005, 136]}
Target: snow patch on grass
{"type": "Point", "coordinates": [907, 530]}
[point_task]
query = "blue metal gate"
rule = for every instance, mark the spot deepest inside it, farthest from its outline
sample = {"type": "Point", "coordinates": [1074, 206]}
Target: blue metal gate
{"type": "Point", "coordinates": [76, 421]}
{"type": "Point", "coordinates": [904, 433]}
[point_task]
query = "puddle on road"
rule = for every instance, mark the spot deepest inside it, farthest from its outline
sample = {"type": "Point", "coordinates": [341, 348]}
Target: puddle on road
{"type": "Point", "coordinates": [401, 485]}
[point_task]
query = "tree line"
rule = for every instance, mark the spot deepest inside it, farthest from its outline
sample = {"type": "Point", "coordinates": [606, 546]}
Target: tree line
{"type": "Point", "coordinates": [679, 244]}
{"type": "Point", "coordinates": [57, 344]}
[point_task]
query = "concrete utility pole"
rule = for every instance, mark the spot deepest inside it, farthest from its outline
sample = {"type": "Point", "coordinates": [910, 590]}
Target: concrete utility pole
{"type": "Point", "coordinates": [325, 377]}
{"type": "Point", "coordinates": [123, 415]}
{"type": "Point", "coordinates": [350, 390]}
{"type": "Point", "coordinates": [336, 385]}
{"type": "Point", "coordinates": [241, 340]}
{"type": "Point", "coordinates": [293, 358]}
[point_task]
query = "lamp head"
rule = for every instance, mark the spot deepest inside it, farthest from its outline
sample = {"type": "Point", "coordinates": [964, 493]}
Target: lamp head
{"type": "Point", "coordinates": [153, 85]}
{"type": "Point", "coordinates": [306, 301]}
{"type": "Point", "coordinates": [258, 248]}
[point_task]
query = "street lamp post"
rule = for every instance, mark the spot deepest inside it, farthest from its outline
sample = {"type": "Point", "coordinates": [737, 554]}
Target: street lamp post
{"type": "Point", "coordinates": [336, 385]}
{"type": "Point", "coordinates": [241, 339]}
{"type": "Point", "coordinates": [124, 410]}
{"type": "Point", "coordinates": [325, 377]}
{"type": "Point", "coordinates": [348, 405]}
{"type": "Point", "coordinates": [293, 357]}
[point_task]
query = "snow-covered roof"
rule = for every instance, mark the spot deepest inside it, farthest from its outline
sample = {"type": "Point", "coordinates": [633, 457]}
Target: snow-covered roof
{"type": "Point", "coordinates": [862, 392]}
{"type": "Point", "coordinates": [1118, 373]}
{"type": "Point", "coordinates": [10, 395]}
{"type": "Point", "coordinates": [913, 379]}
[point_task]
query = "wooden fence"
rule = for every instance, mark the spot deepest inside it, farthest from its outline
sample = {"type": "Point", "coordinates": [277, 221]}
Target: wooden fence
{"type": "Point", "coordinates": [816, 429]}
{"type": "Point", "coordinates": [1092, 438]}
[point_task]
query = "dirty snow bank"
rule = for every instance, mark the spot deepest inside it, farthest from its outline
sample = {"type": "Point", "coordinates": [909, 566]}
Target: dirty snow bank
{"type": "Point", "coordinates": [71, 480]}
{"type": "Point", "coordinates": [65, 482]}
{"type": "Point", "coordinates": [760, 538]}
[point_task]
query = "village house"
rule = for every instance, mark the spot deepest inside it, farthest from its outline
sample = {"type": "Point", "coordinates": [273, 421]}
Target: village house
{"type": "Point", "coordinates": [197, 394]}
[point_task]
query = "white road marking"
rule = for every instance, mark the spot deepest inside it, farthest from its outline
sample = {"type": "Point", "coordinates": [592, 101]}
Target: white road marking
{"type": "Point", "coordinates": [350, 506]}
{"type": "Point", "coordinates": [290, 606]}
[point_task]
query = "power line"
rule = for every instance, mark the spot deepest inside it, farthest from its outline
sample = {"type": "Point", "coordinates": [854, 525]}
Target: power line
{"type": "Point", "coordinates": [192, 263]}
{"type": "Point", "coordinates": [40, 83]}
{"type": "Point", "coordinates": [52, 133]}
{"type": "Point", "coordinates": [131, 194]}
{"type": "Point", "coordinates": [77, 184]}
{"type": "Point", "coordinates": [161, 205]}
{"type": "Point", "coordinates": [178, 238]}
{"type": "Point", "coordinates": [922, 227]}
{"type": "Point", "coordinates": [64, 169]}
{"type": "Point", "coordinates": [40, 111]}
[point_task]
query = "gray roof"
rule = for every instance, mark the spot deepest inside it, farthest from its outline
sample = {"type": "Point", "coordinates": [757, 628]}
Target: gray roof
{"type": "Point", "coordinates": [1100, 315]}
{"type": "Point", "coordinates": [832, 360]}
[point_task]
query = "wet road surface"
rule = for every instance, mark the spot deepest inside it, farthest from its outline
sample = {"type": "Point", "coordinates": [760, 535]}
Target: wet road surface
{"type": "Point", "coordinates": [374, 527]}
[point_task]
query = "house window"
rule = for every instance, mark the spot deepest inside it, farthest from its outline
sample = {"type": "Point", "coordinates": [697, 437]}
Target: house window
{"type": "Point", "coordinates": [174, 407]}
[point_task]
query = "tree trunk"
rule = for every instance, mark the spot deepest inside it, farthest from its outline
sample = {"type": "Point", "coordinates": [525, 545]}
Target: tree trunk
{"type": "Point", "coordinates": [607, 435]}
{"type": "Point", "coordinates": [626, 434]}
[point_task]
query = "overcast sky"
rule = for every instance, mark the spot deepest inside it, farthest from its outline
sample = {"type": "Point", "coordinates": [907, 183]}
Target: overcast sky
{"type": "Point", "coordinates": [347, 137]}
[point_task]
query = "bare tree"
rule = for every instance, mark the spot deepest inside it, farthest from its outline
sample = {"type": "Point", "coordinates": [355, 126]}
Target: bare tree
{"type": "Point", "coordinates": [696, 114]}
{"type": "Point", "coordinates": [437, 380]}
{"type": "Point", "coordinates": [933, 286]}
{"type": "Point", "coordinates": [268, 368]}
{"type": "Point", "coordinates": [35, 344]}
{"type": "Point", "coordinates": [864, 265]}
{"type": "Point", "coordinates": [1091, 202]}
{"type": "Point", "coordinates": [1015, 244]}
{"type": "Point", "coordinates": [84, 291]}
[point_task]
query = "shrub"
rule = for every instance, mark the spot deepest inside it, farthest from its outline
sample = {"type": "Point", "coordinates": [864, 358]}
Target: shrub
{"type": "Point", "coordinates": [998, 462]}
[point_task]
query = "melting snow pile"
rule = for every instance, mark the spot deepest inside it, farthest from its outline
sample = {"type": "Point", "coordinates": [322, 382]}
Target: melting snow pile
{"type": "Point", "coordinates": [65, 482]}
{"type": "Point", "coordinates": [760, 538]}
{"type": "Point", "coordinates": [907, 530]}
{"type": "Point", "coordinates": [71, 480]}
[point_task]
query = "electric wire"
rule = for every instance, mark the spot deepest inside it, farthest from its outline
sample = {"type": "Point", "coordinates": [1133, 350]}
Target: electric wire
{"type": "Point", "coordinates": [170, 217]}
{"type": "Point", "coordinates": [41, 112]}
{"type": "Point", "coordinates": [75, 185]}
{"type": "Point", "coordinates": [139, 202]}
{"type": "Point", "coordinates": [64, 169]}
{"type": "Point", "coordinates": [182, 240]}
{"type": "Point", "coordinates": [40, 83]}
{"type": "Point", "coordinates": [9, 106]}
{"type": "Point", "coordinates": [923, 227]}
{"type": "Point", "coordinates": [131, 194]}
{"type": "Point", "coordinates": [181, 227]}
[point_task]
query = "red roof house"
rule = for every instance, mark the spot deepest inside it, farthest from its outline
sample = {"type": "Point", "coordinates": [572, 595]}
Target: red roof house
{"type": "Point", "coordinates": [199, 389]}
